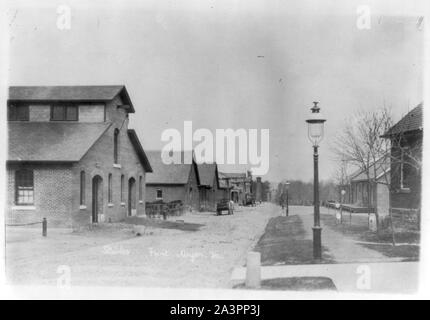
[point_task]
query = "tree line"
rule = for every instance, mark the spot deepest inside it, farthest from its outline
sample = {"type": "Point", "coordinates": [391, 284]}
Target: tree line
{"type": "Point", "coordinates": [302, 193]}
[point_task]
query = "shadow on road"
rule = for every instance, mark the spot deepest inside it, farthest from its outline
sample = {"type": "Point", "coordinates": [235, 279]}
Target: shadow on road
{"type": "Point", "coordinates": [163, 224]}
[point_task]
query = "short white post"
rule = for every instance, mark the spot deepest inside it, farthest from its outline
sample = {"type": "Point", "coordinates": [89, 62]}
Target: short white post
{"type": "Point", "coordinates": [372, 222]}
{"type": "Point", "coordinates": [253, 270]}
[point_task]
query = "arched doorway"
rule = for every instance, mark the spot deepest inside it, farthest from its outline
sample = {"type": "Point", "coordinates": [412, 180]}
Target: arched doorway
{"type": "Point", "coordinates": [131, 197]}
{"type": "Point", "coordinates": [97, 198]}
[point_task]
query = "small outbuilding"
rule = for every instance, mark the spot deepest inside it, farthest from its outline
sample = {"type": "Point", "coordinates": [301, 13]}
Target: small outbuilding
{"type": "Point", "coordinates": [173, 182]}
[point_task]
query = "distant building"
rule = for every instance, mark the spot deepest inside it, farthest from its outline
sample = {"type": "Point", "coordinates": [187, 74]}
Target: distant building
{"type": "Point", "coordinates": [172, 182]}
{"type": "Point", "coordinates": [71, 157]}
{"type": "Point", "coordinates": [369, 188]}
{"type": "Point", "coordinates": [239, 184]}
{"type": "Point", "coordinates": [224, 187]}
{"type": "Point", "coordinates": [406, 138]}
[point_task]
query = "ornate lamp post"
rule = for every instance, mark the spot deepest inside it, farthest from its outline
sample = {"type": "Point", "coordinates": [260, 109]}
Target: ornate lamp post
{"type": "Point", "coordinates": [287, 211]}
{"type": "Point", "coordinates": [316, 134]}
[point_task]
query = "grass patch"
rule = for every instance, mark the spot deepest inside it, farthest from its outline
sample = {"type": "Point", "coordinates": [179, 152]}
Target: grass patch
{"type": "Point", "coordinates": [401, 235]}
{"type": "Point", "coordinates": [295, 284]}
{"type": "Point", "coordinates": [410, 253]}
{"type": "Point", "coordinates": [283, 242]}
{"type": "Point", "coordinates": [357, 229]}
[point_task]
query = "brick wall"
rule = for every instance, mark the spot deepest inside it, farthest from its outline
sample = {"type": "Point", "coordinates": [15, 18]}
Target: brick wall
{"type": "Point", "coordinates": [57, 187]}
{"type": "Point", "coordinates": [402, 198]}
{"type": "Point", "coordinates": [170, 192]}
{"type": "Point", "coordinates": [99, 161]}
{"type": "Point", "coordinates": [52, 195]}
{"type": "Point", "coordinates": [188, 193]}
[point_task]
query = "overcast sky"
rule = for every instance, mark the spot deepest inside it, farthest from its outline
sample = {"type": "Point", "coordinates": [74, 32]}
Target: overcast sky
{"type": "Point", "coordinates": [229, 65]}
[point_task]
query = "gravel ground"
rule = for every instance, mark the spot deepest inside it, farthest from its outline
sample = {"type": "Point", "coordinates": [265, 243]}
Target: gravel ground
{"type": "Point", "coordinates": [165, 255]}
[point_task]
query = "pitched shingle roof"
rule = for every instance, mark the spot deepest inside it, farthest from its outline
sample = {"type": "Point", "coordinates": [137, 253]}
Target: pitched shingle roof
{"type": "Point", "coordinates": [411, 122]}
{"type": "Point", "coordinates": [54, 142]}
{"type": "Point", "coordinates": [167, 173]}
{"type": "Point", "coordinates": [382, 167]}
{"type": "Point", "coordinates": [232, 175]}
{"type": "Point", "coordinates": [69, 93]}
{"type": "Point", "coordinates": [207, 173]}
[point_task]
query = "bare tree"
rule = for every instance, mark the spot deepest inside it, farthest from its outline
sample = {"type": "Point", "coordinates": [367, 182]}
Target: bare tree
{"type": "Point", "coordinates": [361, 145]}
{"type": "Point", "coordinates": [340, 178]}
{"type": "Point", "coordinates": [365, 144]}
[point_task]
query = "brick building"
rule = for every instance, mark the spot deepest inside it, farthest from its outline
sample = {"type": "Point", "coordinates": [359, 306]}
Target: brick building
{"type": "Point", "coordinates": [71, 156]}
{"type": "Point", "coordinates": [406, 138]}
{"type": "Point", "coordinates": [240, 185]}
{"type": "Point", "coordinates": [209, 188]}
{"type": "Point", "coordinates": [172, 182]}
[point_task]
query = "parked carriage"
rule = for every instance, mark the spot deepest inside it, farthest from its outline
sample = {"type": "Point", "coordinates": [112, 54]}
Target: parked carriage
{"type": "Point", "coordinates": [163, 209]}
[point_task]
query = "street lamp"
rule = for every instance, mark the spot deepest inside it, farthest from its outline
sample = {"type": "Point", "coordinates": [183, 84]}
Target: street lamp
{"type": "Point", "coordinates": [316, 134]}
{"type": "Point", "coordinates": [286, 187]}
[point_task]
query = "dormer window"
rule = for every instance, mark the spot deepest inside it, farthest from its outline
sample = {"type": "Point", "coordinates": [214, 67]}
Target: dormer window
{"type": "Point", "coordinates": [64, 113]}
{"type": "Point", "coordinates": [18, 113]}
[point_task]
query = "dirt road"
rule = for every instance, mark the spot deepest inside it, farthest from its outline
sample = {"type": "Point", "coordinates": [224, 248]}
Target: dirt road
{"type": "Point", "coordinates": [201, 256]}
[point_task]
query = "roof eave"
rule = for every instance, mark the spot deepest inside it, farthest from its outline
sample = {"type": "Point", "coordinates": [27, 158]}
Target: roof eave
{"type": "Point", "coordinates": [122, 92]}
{"type": "Point", "coordinates": [126, 97]}
{"type": "Point", "coordinates": [41, 161]}
{"type": "Point", "coordinates": [389, 135]}
{"type": "Point", "coordinates": [205, 186]}
{"type": "Point", "coordinates": [165, 184]}
{"type": "Point", "coordinates": [139, 150]}
{"type": "Point", "coordinates": [196, 170]}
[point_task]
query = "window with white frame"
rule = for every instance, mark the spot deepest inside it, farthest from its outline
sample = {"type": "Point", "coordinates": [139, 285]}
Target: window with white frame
{"type": "Point", "coordinates": [24, 187]}
{"type": "Point", "coordinates": [159, 194]}
{"type": "Point", "coordinates": [405, 169]}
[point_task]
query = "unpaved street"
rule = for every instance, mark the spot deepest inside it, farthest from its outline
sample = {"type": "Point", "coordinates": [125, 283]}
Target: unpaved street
{"type": "Point", "coordinates": [202, 253]}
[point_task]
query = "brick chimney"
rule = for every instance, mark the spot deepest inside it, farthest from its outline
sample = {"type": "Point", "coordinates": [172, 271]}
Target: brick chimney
{"type": "Point", "coordinates": [259, 190]}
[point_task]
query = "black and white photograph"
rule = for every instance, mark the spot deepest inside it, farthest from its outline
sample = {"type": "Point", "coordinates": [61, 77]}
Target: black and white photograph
{"type": "Point", "coordinates": [214, 150]}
